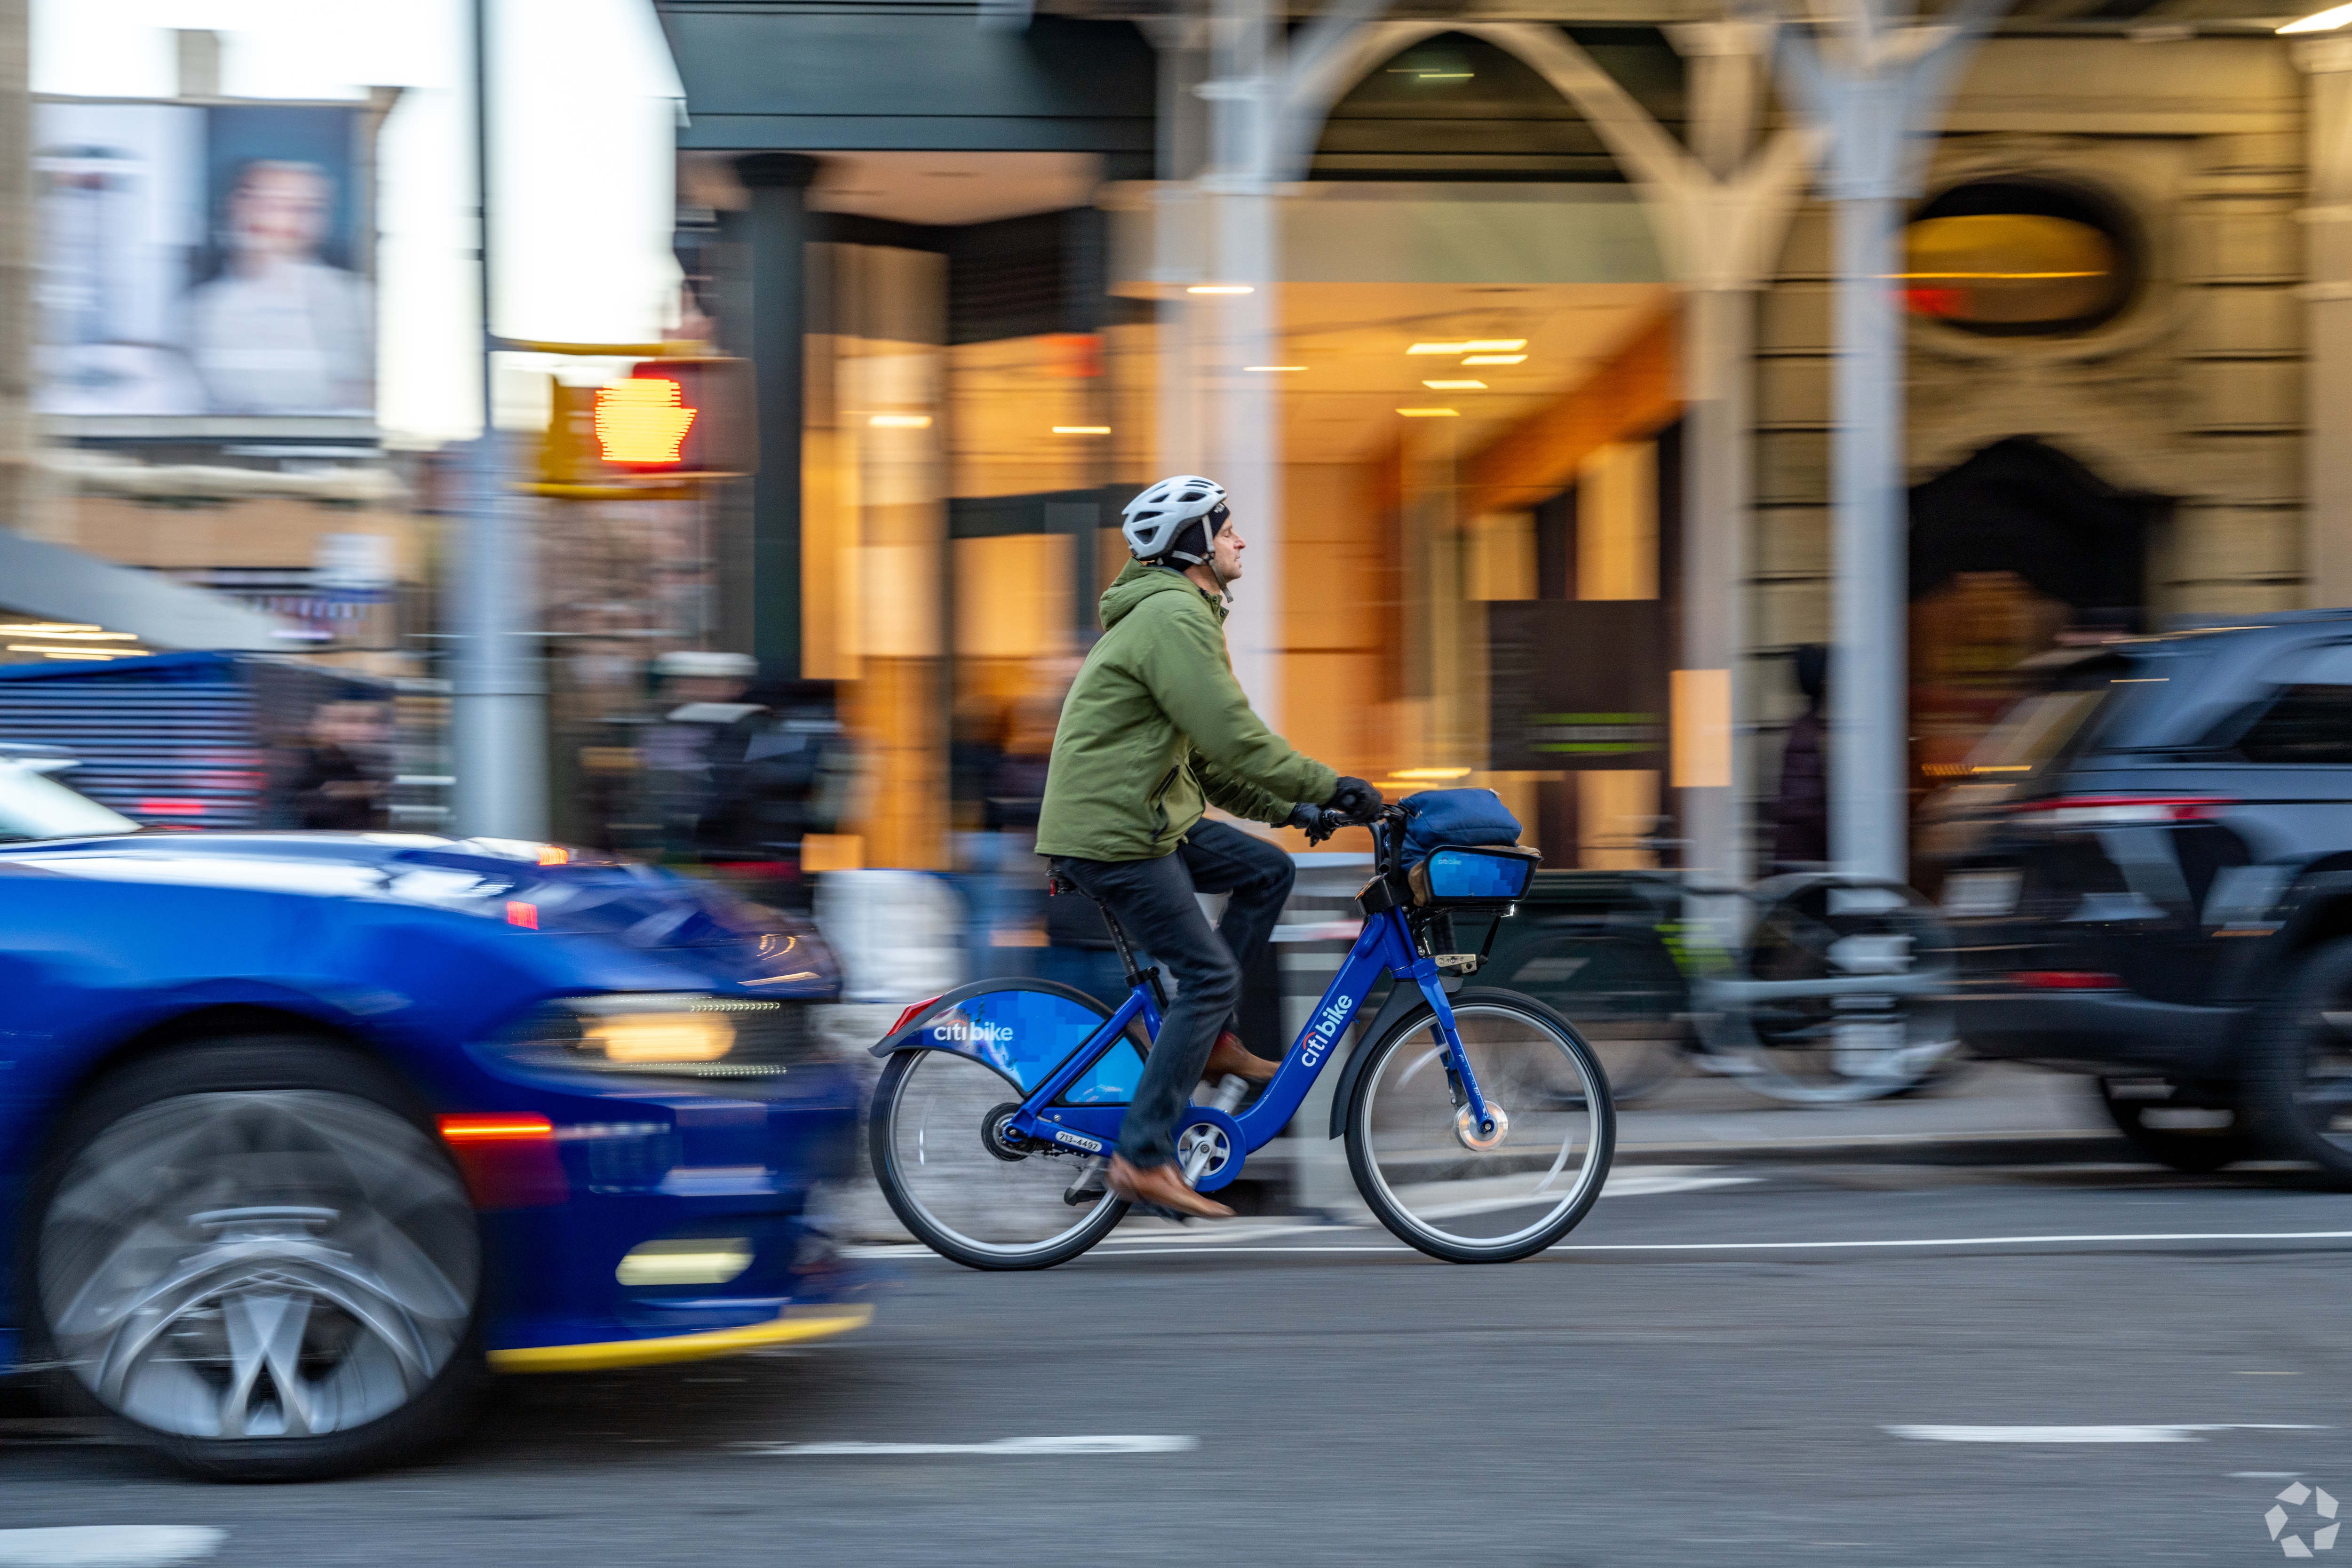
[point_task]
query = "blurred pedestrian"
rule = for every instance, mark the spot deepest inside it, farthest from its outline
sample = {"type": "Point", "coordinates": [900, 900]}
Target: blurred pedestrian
{"type": "Point", "coordinates": [342, 782]}
{"type": "Point", "coordinates": [779, 772]}
{"type": "Point", "coordinates": [703, 692]}
{"type": "Point", "coordinates": [1800, 811]}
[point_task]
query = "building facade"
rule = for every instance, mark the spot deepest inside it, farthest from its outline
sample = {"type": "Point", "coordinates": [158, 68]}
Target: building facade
{"type": "Point", "coordinates": [1486, 309]}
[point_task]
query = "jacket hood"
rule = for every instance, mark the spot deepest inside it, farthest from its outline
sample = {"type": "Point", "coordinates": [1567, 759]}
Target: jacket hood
{"type": "Point", "coordinates": [1139, 581]}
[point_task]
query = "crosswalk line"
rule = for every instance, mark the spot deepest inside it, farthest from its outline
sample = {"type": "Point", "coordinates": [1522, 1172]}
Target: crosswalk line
{"type": "Point", "coordinates": [109, 1545]}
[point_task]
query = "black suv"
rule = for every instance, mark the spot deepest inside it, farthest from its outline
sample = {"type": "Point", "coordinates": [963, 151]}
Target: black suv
{"type": "Point", "coordinates": [2149, 870]}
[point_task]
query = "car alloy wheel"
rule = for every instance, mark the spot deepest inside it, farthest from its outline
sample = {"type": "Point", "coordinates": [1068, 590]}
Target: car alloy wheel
{"type": "Point", "coordinates": [283, 1263]}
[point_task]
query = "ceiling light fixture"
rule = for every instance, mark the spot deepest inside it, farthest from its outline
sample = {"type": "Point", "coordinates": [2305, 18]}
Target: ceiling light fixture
{"type": "Point", "coordinates": [1081, 429]}
{"type": "Point", "coordinates": [1272, 369]}
{"type": "Point", "coordinates": [1455, 385]}
{"type": "Point", "coordinates": [1431, 413]}
{"type": "Point", "coordinates": [96, 653]}
{"type": "Point", "coordinates": [1494, 345]}
{"type": "Point", "coordinates": [900, 421]}
{"type": "Point", "coordinates": [1439, 349]}
{"type": "Point", "coordinates": [74, 632]}
{"type": "Point", "coordinates": [2326, 21]}
{"type": "Point", "coordinates": [1220, 288]}
{"type": "Point", "coordinates": [1495, 358]}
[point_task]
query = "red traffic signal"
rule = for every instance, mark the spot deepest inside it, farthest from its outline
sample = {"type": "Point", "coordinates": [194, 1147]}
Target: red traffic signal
{"type": "Point", "coordinates": [679, 418]}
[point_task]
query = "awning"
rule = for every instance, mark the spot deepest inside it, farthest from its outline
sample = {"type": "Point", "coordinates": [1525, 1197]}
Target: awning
{"type": "Point", "coordinates": [50, 582]}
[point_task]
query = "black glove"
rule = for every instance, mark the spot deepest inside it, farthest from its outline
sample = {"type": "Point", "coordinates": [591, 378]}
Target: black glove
{"type": "Point", "coordinates": [1354, 798]}
{"type": "Point", "coordinates": [1314, 820]}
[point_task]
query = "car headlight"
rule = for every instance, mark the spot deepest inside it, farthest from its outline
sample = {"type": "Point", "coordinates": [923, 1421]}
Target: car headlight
{"type": "Point", "coordinates": [667, 1034]}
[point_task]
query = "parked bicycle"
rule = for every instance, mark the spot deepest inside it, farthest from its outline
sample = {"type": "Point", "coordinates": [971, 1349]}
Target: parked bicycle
{"type": "Point", "coordinates": [1836, 993]}
{"type": "Point", "coordinates": [1479, 1128]}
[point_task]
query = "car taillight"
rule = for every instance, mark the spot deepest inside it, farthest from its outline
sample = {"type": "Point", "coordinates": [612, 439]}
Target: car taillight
{"type": "Point", "coordinates": [2065, 979]}
{"type": "Point", "coordinates": [910, 1015]}
{"type": "Point", "coordinates": [2119, 810]}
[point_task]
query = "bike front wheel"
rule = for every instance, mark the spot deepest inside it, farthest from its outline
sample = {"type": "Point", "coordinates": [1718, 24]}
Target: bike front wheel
{"type": "Point", "coordinates": [961, 1192]}
{"type": "Point", "coordinates": [1441, 1184]}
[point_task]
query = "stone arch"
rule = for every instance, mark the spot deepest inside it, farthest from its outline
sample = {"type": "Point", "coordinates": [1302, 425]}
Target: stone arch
{"type": "Point", "coordinates": [1642, 149]}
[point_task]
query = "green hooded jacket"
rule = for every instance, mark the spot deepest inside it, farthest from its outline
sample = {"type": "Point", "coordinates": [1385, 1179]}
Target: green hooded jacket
{"type": "Point", "coordinates": [1155, 726]}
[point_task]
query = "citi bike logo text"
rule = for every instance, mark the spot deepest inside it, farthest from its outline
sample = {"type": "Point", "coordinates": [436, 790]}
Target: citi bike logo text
{"type": "Point", "coordinates": [965, 1032]}
{"type": "Point", "coordinates": [1327, 1028]}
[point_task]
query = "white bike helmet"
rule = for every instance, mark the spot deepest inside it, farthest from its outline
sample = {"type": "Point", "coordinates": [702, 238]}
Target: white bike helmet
{"type": "Point", "coordinates": [1155, 520]}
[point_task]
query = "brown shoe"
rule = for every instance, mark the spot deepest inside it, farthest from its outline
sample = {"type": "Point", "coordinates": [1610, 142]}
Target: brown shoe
{"type": "Point", "coordinates": [1230, 1055]}
{"type": "Point", "coordinates": [1163, 1186]}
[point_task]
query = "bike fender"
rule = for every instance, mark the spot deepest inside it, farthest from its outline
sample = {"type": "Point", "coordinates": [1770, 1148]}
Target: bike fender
{"type": "Point", "coordinates": [1404, 995]}
{"type": "Point", "coordinates": [916, 1035]}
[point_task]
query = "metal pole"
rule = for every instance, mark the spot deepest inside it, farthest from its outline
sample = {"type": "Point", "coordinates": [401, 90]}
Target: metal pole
{"type": "Point", "coordinates": [2327, 321]}
{"type": "Point", "coordinates": [777, 227]}
{"type": "Point", "coordinates": [1718, 329]}
{"type": "Point", "coordinates": [498, 710]}
{"type": "Point", "coordinates": [1247, 424]}
{"type": "Point", "coordinates": [1869, 748]}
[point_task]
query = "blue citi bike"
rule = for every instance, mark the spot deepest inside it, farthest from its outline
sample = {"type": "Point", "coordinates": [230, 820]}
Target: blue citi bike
{"type": "Point", "coordinates": [1479, 1127]}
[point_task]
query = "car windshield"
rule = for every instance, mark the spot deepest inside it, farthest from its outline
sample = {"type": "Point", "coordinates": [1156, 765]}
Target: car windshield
{"type": "Point", "coordinates": [35, 806]}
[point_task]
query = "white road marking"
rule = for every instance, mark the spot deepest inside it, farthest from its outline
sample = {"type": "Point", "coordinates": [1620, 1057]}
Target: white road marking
{"type": "Point", "coordinates": [1207, 1243]}
{"type": "Point", "coordinates": [108, 1545]}
{"type": "Point", "coordinates": [1167, 1235]}
{"type": "Point", "coordinates": [1660, 1180]}
{"type": "Point", "coordinates": [2187, 1433]}
{"type": "Point", "coordinates": [1014, 1447]}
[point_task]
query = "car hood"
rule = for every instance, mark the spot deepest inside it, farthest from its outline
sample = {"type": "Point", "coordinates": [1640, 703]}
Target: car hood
{"type": "Point", "coordinates": [697, 924]}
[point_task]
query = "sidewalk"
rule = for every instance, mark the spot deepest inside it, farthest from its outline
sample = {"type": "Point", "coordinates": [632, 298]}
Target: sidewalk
{"type": "Point", "coordinates": [1994, 1110]}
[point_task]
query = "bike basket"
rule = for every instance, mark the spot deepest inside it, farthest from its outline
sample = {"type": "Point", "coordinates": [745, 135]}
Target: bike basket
{"type": "Point", "coordinates": [1461, 874]}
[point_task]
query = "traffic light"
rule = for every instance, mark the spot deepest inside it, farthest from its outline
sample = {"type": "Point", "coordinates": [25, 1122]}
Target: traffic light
{"type": "Point", "coordinates": [651, 435]}
{"type": "Point", "coordinates": [679, 419]}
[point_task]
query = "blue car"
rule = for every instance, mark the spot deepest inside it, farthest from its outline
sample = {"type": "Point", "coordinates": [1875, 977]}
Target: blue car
{"type": "Point", "coordinates": [304, 1135]}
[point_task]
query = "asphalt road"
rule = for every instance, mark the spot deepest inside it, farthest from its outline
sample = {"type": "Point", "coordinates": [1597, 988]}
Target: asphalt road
{"type": "Point", "coordinates": [1721, 1399]}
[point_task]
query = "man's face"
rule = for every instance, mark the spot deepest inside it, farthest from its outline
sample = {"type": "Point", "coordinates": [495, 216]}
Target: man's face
{"type": "Point", "coordinates": [1227, 551]}
{"type": "Point", "coordinates": [706, 688]}
{"type": "Point", "coordinates": [280, 212]}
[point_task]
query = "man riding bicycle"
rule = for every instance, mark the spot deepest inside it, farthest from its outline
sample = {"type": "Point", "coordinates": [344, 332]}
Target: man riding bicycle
{"type": "Point", "coordinates": [1154, 728]}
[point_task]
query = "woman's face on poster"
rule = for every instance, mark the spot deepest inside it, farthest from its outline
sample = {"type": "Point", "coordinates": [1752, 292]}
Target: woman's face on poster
{"type": "Point", "coordinates": [281, 209]}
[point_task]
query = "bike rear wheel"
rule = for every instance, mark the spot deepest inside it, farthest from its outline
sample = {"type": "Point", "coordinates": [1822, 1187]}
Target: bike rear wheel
{"type": "Point", "coordinates": [963, 1192]}
{"type": "Point", "coordinates": [1421, 1168]}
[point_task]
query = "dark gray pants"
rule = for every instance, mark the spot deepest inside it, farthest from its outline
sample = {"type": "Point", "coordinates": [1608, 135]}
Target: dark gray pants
{"type": "Point", "coordinates": [1153, 903]}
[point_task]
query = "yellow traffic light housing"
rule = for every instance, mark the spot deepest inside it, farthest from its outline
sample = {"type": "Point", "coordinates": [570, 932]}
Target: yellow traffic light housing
{"type": "Point", "coordinates": [653, 435]}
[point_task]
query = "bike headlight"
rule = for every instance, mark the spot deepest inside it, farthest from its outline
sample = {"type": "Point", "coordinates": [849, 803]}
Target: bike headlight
{"type": "Point", "coordinates": [663, 1035]}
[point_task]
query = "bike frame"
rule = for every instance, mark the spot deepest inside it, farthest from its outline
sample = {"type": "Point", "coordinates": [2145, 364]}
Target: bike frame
{"type": "Point", "coordinates": [1385, 946]}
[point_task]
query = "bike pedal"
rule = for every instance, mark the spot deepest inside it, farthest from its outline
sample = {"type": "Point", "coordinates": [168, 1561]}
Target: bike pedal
{"type": "Point", "coordinates": [1087, 1187]}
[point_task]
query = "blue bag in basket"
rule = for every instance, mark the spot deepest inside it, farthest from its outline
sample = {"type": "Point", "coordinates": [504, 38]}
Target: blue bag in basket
{"type": "Point", "coordinates": [1437, 816]}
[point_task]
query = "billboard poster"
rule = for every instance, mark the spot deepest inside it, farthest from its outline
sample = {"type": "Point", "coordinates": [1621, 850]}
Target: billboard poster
{"type": "Point", "coordinates": [203, 259]}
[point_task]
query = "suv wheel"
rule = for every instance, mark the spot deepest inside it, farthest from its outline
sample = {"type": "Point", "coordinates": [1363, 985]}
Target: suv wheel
{"type": "Point", "coordinates": [2299, 1077]}
{"type": "Point", "coordinates": [254, 1253]}
{"type": "Point", "coordinates": [2186, 1136]}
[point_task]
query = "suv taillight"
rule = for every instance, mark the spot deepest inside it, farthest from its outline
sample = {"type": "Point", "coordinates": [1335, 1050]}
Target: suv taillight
{"type": "Point", "coordinates": [2119, 810]}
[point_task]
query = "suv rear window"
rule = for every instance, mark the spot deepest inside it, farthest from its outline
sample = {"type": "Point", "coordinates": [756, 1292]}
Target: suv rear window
{"type": "Point", "coordinates": [2307, 724]}
{"type": "Point", "coordinates": [2034, 733]}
